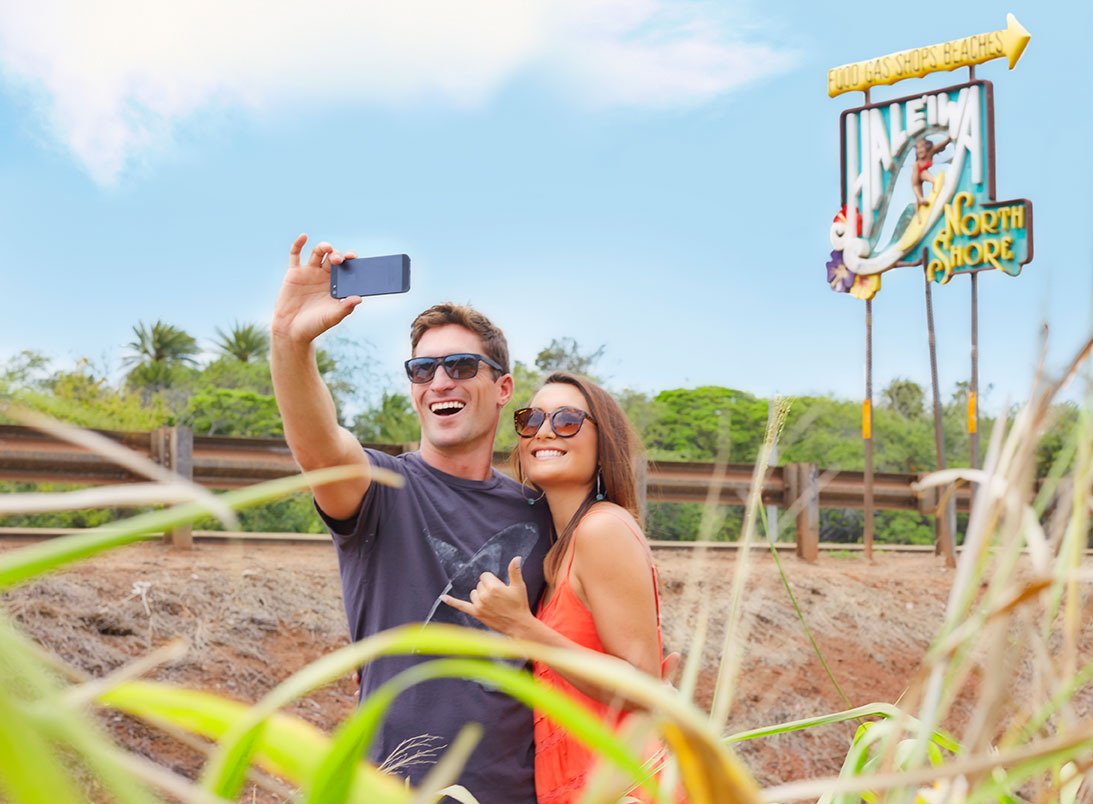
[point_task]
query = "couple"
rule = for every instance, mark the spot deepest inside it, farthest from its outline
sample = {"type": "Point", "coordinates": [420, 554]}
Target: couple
{"type": "Point", "coordinates": [441, 548]}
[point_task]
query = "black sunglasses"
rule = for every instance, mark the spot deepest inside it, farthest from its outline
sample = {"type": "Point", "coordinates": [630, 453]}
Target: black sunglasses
{"type": "Point", "coordinates": [565, 422]}
{"type": "Point", "coordinates": [461, 366]}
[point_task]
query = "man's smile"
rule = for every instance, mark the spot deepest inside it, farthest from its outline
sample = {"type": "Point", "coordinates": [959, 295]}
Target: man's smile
{"type": "Point", "coordinates": [447, 407]}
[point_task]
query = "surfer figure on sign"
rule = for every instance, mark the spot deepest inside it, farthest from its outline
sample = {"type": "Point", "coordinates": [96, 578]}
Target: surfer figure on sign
{"type": "Point", "coordinates": [925, 151]}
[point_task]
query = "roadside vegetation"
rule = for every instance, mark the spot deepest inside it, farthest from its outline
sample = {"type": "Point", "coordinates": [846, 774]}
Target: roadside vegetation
{"type": "Point", "coordinates": [167, 378]}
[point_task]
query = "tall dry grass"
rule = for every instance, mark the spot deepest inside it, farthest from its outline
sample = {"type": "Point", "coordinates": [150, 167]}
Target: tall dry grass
{"type": "Point", "coordinates": [1010, 649]}
{"type": "Point", "coordinates": [1010, 654]}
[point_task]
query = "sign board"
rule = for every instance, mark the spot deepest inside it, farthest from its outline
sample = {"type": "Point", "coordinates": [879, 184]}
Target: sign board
{"type": "Point", "coordinates": [918, 188]}
{"type": "Point", "coordinates": [1007, 43]}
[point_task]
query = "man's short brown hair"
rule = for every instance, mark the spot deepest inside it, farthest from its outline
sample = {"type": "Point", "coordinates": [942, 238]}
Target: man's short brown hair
{"type": "Point", "coordinates": [493, 340]}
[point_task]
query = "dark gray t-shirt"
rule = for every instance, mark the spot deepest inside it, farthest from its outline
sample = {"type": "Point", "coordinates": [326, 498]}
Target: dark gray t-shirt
{"type": "Point", "coordinates": [405, 549]}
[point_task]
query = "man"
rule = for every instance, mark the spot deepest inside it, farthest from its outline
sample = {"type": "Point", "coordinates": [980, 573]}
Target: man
{"type": "Point", "coordinates": [400, 550]}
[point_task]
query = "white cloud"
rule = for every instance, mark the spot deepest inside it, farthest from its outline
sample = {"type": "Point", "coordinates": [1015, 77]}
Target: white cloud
{"type": "Point", "coordinates": [114, 76]}
{"type": "Point", "coordinates": [657, 54]}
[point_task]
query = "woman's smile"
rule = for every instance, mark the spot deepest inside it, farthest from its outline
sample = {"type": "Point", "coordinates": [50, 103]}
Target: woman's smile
{"type": "Point", "coordinates": [546, 452]}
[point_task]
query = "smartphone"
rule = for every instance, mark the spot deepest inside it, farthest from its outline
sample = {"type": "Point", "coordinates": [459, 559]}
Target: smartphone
{"type": "Point", "coordinates": [370, 276]}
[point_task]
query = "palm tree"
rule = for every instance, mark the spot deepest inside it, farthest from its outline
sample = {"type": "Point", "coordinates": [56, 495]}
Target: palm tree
{"type": "Point", "coordinates": [244, 342]}
{"type": "Point", "coordinates": [156, 352]}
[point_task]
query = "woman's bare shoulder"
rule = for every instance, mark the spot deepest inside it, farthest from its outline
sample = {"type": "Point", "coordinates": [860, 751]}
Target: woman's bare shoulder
{"type": "Point", "coordinates": [609, 527]}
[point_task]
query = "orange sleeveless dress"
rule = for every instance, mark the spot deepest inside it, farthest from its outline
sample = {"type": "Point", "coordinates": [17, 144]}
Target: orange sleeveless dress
{"type": "Point", "coordinates": [562, 763]}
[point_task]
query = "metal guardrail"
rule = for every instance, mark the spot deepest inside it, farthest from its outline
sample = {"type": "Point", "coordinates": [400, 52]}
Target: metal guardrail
{"type": "Point", "coordinates": [219, 462]}
{"type": "Point", "coordinates": [656, 545]}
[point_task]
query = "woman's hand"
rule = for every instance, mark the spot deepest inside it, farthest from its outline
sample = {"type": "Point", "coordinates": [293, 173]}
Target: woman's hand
{"type": "Point", "coordinates": [497, 605]}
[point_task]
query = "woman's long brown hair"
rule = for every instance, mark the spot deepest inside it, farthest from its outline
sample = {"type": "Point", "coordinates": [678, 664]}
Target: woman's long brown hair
{"type": "Point", "coordinates": [617, 450]}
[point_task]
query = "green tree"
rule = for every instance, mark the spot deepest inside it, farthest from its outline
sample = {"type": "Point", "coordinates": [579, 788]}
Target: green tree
{"type": "Point", "coordinates": [905, 397]}
{"type": "Point", "coordinates": [901, 444]}
{"type": "Point", "coordinates": [904, 527]}
{"type": "Point", "coordinates": [682, 522]}
{"type": "Point", "coordinates": [26, 369]}
{"type": "Point", "coordinates": [641, 409]}
{"type": "Point", "coordinates": [232, 412]}
{"type": "Point", "coordinates": [157, 354]}
{"type": "Point", "coordinates": [823, 431]}
{"type": "Point", "coordinates": [244, 342]}
{"type": "Point", "coordinates": [564, 354]}
{"type": "Point", "coordinates": [227, 372]}
{"type": "Point", "coordinates": [827, 432]}
{"type": "Point", "coordinates": [292, 514]}
{"type": "Point", "coordinates": [392, 421]}
{"type": "Point", "coordinates": [84, 518]}
{"type": "Point", "coordinates": [701, 424]}
{"type": "Point", "coordinates": [82, 396]}
{"type": "Point", "coordinates": [846, 525]}
{"type": "Point", "coordinates": [1060, 439]}
{"type": "Point", "coordinates": [350, 370]}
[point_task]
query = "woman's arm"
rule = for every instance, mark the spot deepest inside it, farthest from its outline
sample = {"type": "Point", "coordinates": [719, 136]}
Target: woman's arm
{"type": "Point", "coordinates": [612, 576]}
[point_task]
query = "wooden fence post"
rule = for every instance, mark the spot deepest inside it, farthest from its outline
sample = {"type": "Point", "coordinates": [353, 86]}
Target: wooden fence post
{"type": "Point", "coordinates": [802, 482]}
{"type": "Point", "coordinates": [173, 448]}
{"type": "Point", "coordinates": [929, 504]}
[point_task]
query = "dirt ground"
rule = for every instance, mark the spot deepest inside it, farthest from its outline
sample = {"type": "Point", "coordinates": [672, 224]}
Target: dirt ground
{"type": "Point", "coordinates": [255, 614]}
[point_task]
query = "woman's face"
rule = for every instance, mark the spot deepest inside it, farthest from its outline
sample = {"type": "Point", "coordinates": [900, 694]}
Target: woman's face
{"type": "Point", "coordinates": [920, 149]}
{"type": "Point", "coordinates": [551, 462]}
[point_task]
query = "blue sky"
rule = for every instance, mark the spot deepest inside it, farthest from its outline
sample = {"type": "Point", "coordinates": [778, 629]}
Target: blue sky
{"type": "Point", "coordinates": [658, 177]}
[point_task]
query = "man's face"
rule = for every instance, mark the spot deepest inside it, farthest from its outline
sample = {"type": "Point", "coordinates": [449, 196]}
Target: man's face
{"type": "Point", "coordinates": [457, 413]}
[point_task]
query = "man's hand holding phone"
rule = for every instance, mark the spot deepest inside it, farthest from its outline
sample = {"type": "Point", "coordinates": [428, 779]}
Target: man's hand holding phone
{"type": "Point", "coordinates": [305, 308]}
{"type": "Point", "coordinates": [319, 293]}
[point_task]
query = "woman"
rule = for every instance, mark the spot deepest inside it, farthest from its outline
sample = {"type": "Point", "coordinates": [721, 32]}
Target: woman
{"type": "Point", "coordinates": [576, 450]}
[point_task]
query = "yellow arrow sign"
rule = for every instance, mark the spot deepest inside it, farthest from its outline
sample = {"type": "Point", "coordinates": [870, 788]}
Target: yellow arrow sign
{"type": "Point", "coordinates": [919, 61]}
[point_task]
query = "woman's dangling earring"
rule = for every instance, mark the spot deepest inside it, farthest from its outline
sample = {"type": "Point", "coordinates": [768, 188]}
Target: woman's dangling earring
{"type": "Point", "coordinates": [599, 485]}
{"type": "Point", "coordinates": [532, 500]}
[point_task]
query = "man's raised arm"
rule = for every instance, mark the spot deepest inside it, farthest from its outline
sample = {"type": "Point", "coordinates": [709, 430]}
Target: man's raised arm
{"type": "Point", "coordinates": [305, 310]}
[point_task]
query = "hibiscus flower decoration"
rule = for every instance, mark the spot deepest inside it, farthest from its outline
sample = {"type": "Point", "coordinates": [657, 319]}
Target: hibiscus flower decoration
{"type": "Point", "coordinates": [865, 287]}
{"type": "Point", "coordinates": [839, 277]}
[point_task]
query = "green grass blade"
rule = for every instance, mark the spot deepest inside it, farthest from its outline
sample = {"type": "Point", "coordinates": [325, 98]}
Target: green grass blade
{"type": "Point", "coordinates": [97, 752]}
{"type": "Point", "coordinates": [356, 735]}
{"type": "Point", "coordinates": [30, 771]}
{"type": "Point", "coordinates": [690, 732]}
{"type": "Point", "coordinates": [880, 709]}
{"type": "Point", "coordinates": [287, 746]}
{"type": "Point", "coordinates": [52, 718]}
